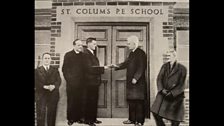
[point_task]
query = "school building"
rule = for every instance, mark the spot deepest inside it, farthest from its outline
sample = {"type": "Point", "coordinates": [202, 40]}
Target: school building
{"type": "Point", "coordinates": [159, 24]}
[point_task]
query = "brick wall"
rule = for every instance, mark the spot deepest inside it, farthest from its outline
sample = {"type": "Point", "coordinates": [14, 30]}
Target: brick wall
{"type": "Point", "coordinates": [43, 22]}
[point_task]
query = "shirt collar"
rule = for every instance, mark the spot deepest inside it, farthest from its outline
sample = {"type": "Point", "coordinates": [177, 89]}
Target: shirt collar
{"type": "Point", "coordinates": [134, 49]}
{"type": "Point", "coordinates": [91, 51]}
{"type": "Point", "coordinates": [174, 63]}
{"type": "Point", "coordinates": [76, 52]}
{"type": "Point", "coordinates": [45, 67]}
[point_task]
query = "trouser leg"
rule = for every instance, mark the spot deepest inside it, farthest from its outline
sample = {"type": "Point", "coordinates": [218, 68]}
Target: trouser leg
{"type": "Point", "coordinates": [140, 111]}
{"type": "Point", "coordinates": [77, 104]}
{"type": "Point", "coordinates": [159, 120]}
{"type": "Point", "coordinates": [131, 110]}
{"type": "Point", "coordinates": [52, 110]}
{"type": "Point", "coordinates": [41, 112]}
{"type": "Point", "coordinates": [175, 123]}
{"type": "Point", "coordinates": [91, 104]}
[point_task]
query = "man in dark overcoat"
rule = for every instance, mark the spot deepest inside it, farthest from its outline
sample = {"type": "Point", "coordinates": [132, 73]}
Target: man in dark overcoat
{"type": "Point", "coordinates": [73, 71]}
{"type": "Point", "coordinates": [93, 72]}
{"type": "Point", "coordinates": [136, 82]}
{"type": "Point", "coordinates": [47, 82]}
{"type": "Point", "coordinates": [170, 97]}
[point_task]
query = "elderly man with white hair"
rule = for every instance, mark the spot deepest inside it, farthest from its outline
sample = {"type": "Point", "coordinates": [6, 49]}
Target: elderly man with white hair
{"type": "Point", "coordinates": [169, 102]}
{"type": "Point", "coordinates": [136, 82]}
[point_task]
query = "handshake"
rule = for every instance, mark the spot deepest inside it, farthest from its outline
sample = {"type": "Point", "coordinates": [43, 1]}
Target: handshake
{"type": "Point", "coordinates": [110, 66]}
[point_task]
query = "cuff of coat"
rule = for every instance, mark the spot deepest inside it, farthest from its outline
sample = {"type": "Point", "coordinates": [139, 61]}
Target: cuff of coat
{"type": "Point", "coordinates": [160, 91]}
{"type": "Point", "coordinates": [171, 93]}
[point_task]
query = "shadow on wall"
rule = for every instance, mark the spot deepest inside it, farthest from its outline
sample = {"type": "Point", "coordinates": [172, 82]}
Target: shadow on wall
{"type": "Point", "coordinates": [62, 104]}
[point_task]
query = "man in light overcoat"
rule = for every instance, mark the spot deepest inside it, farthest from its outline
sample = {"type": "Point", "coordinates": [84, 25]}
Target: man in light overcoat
{"type": "Point", "coordinates": [169, 102]}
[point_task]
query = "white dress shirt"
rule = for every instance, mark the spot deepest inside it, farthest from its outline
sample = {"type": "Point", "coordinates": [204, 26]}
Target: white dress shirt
{"type": "Point", "coordinates": [134, 49]}
{"type": "Point", "coordinates": [76, 52]}
{"type": "Point", "coordinates": [46, 67]}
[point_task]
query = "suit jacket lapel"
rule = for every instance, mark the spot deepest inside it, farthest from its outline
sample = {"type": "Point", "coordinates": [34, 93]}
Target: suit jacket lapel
{"type": "Point", "coordinates": [90, 52]}
{"type": "Point", "coordinates": [174, 70]}
{"type": "Point", "coordinates": [92, 55]}
{"type": "Point", "coordinates": [131, 54]}
{"type": "Point", "coordinates": [43, 71]}
{"type": "Point", "coordinates": [50, 70]}
{"type": "Point", "coordinates": [74, 53]}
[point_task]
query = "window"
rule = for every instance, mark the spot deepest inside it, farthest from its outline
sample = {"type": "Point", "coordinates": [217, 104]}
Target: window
{"type": "Point", "coordinates": [182, 40]}
{"type": "Point", "coordinates": [42, 44]}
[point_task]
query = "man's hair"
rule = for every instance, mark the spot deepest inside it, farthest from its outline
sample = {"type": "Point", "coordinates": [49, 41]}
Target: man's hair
{"type": "Point", "coordinates": [90, 39]}
{"type": "Point", "coordinates": [134, 39]}
{"type": "Point", "coordinates": [46, 53]}
{"type": "Point", "coordinates": [74, 42]}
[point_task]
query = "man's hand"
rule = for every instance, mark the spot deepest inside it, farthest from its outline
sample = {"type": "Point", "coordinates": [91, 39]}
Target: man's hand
{"type": "Point", "coordinates": [134, 81]}
{"type": "Point", "coordinates": [164, 92]}
{"type": "Point", "coordinates": [106, 67]}
{"type": "Point", "coordinates": [46, 87]}
{"type": "Point", "coordinates": [51, 87]}
{"type": "Point", "coordinates": [113, 66]}
{"type": "Point", "coordinates": [169, 96]}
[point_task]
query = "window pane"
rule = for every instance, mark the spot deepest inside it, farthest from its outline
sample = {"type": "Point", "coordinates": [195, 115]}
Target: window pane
{"type": "Point", "coordinates": [39, 50]}
{"type": "Point", "coordinates": [183, 37]}
{"type": "Point", "coordinates": [42, 36]}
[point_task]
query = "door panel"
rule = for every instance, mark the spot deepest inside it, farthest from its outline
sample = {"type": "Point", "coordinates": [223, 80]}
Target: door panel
{"type": "Point", "coordinates": [119, 54]}
{"type": "Point", "coordinates": [112, 49]}
{"type": "Point", "coordinates": [103, 52]}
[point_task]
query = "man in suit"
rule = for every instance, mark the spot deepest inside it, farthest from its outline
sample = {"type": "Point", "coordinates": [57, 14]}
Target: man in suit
{"type": "Point", "coordinates": [136, 82]}
{"type": "Point", "coordinates": [73, 71]}
{"type": "Point", "coordinates": [47, 82]}
{"type": "Point", "coordinates": [93, 80]}
{"type": "Point", "coordinates": [170, 97]}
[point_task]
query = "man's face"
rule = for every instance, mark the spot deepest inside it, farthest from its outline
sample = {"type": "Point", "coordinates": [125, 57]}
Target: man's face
{"type": "Point", "coordinates": [78, 46]}
{"type": "Point", "coordinates": [92, 45]}
{"type": "Point", "coordinates": [171, 57]}
{"type": "Point", "coordinates": [46, 59]}
{"type": "Point", "coordinates": [131, 45]}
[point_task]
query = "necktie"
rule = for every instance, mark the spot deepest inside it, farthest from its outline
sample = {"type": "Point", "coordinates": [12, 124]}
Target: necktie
{"type": "Point", "coordinates": [170, 68]}
{"type": "Point", "coordinates": [47, 69]}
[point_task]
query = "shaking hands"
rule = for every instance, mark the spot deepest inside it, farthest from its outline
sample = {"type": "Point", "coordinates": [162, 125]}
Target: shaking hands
{"type": "Point", "coordinates": [110, 66]}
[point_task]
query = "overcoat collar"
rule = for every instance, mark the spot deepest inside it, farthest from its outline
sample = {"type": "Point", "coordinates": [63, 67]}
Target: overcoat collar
{"type": "Point", "coordinates": [75, 53]}
{"type": "Point", "coordinates": [44, 72]}
{"type": "Point", "coordinates": [174, 70]}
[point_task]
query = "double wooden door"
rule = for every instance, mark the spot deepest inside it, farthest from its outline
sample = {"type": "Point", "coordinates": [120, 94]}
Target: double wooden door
{"type": "Point", "coordinates": [111, 40]}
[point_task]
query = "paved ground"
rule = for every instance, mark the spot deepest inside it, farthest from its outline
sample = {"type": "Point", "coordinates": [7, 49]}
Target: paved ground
{"type": "Point", "coordinates": [109, 122]}
{"type": "Point", "coordinates": [115, 122]}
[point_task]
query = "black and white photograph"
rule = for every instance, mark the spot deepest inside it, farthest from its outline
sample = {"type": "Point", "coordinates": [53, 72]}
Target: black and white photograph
{"type": "Point", "coordinates": [112, 63]}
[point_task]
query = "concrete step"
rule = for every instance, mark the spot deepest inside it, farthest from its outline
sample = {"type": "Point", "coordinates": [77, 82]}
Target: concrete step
{"type": "Point", "coordinates": [109, 122]}
{"type": "Point", "coordinates": [115, 122]}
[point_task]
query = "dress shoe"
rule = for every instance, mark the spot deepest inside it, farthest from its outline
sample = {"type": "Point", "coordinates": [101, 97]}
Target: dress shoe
{"type": "Point", "coordinates": [128, 122]}
{"type": "Point", "coordinates": [80, 121]}
{"type": "Point", "coordinates": [98, 122]}
{"type": "Point", "coordinates": [70, 122]}
{"type": "Point", "coordinates": [90, 123]}
{"type": "Point", "coordinates": [138, 124]}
